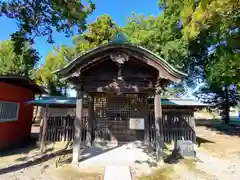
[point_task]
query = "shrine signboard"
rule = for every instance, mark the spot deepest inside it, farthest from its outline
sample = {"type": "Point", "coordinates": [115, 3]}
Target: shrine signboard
{"type": "Point", "coordinates": [136, 123]}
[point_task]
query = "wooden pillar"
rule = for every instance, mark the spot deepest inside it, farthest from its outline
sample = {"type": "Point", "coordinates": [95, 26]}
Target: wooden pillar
{"type": "Point", "coordinates": [193, 126]}
{"type": "Point", "coordinates": [158, 118]}
{"type": "Point", "coordinates": [43, 130]}
{"type": "Point", "coordinates": [89, 127]}
{"type": "Point", "coordinates": [78, 128]}
{"type": "Point", "coordinates": [146, 122]}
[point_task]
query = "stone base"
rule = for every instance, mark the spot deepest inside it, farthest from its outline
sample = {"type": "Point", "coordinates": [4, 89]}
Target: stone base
{"type": "Point", "coordinates": [160, 163]}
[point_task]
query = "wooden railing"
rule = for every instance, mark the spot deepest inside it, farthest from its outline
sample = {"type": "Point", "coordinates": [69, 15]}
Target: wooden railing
{"type": "Point", "coordinates": [61, 128]}
{"type": "Point", "coordinates": [176, 126]}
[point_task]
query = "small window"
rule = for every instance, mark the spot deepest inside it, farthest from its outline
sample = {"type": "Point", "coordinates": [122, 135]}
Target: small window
{"type": "Point", "coordinates": [8, 111]}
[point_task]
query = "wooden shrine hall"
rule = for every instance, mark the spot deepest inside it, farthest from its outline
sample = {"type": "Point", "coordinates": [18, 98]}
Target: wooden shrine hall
{"type": "Point", "coordinates": [119, 78]}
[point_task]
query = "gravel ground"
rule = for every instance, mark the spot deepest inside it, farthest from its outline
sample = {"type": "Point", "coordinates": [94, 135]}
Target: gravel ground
{"type": "Point", "coordinates": [218, 159]}
{"type": "Point", "coordinates": [44, 172]}
{"type": "Point", "coordinates": [29, 164]}
{"type": "Point", "coordinates": [219, 152]}
{"type": "Point", "coordinates": [219, 169]}
{"type": "Point", "coordinates": [37, 172]}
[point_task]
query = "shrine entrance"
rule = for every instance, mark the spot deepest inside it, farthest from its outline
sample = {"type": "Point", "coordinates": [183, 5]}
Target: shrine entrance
{"type": "Point", "coordinates": [118, 78]}
{"type": "Point", "coordinates": [113, 116]}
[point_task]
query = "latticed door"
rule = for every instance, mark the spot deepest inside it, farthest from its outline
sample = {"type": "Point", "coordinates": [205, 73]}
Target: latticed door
{"type": "Point", "coordinates": [112, 115]}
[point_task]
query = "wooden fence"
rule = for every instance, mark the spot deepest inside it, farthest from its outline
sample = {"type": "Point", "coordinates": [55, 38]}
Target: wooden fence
{"type": "Point", "coordinates": [176, 125]}
{"type": "Point", "coordinates": [61, 128]}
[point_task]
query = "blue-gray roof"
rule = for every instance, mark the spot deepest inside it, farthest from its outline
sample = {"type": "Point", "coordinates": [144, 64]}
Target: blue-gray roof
{"type": "Point", "coordinates": [182, 102]}
{"type": "Point", "coordinates": [54, 101]}
{"type": "Point", "coordinates": [119, 38]}
{"type": "Point", "coordinates": [71, 101]}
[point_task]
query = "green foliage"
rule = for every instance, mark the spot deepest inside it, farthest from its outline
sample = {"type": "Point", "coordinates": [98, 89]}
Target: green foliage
{"type": "Point", "coordinates": [221, 19]}
{"type": "Point", "coordinates": [44, 75]}
{"type": "Point", "coordinates": [217, 15]}
{"type": "Point", "coordinates": [12, 63]}
{"type": "Point", "coordinates": [174, 91]}
{"type": "Point", "coordinates": [41, 17]}
{"type": "Point", "coordinates": [99, 32]}
{"type": "Point", "coordinates": [223, 69]}
{"type": "Point", "coordinates": [212, 30]}
{"type": "Point", "coordinates": [159, 34]}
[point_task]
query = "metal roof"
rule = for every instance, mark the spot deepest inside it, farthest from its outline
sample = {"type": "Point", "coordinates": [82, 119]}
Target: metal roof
{"type": "Point", "coordinates": [183, 102]}
{"type": "Point", "coordinates": [54, 101]}
{"type": "Point", "coordinates": [71, 101]}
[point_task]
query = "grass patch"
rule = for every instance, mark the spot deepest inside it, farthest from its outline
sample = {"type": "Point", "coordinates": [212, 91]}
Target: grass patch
{"type": "Point", "coordinates": [69, 172]}
{"type": "Point", "coordinates": [191, 166]}
{"type": "Point", "coordinates": [176, 171]}
{"type": "Point", "coordinates": [163, 173]}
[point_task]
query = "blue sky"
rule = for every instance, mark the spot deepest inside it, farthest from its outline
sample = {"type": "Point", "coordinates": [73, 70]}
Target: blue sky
{"type": "Point", "coordinates": [119, 10]}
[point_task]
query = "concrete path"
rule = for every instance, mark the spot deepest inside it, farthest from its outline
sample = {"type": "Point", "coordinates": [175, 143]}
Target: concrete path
{"type": "Point", "coordinates": [117, 173]}
{"type": "Point", "coordinates": [124, 155]}
{"type": "Point", "coordinates": [134, 154]}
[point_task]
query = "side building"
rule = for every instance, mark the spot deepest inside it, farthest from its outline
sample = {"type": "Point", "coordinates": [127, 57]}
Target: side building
{"type": "Point", "coordinates": [15, 114]}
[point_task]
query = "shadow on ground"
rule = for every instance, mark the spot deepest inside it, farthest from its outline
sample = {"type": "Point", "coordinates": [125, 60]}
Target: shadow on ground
{"type": "Point", "coordinates": [200, 140]}
{"type": "Point", "coordinates": [23, 148]}
{"type": "Point", "coordinates": [218, 125]}
{"type": "Point", "coordinates": [149, 151]}
{"type": "Point", "coordinates": [90, 152]}
{"type": "Point", "coordinates": [36, 158]}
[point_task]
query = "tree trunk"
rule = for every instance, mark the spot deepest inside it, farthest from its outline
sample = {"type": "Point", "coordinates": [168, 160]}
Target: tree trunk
{"type": "Point", "coordinates": [226, 107]}
{"type": "Point", "coordinates": [65, 91]}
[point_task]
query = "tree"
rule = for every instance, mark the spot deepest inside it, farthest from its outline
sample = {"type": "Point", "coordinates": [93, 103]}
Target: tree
{"type": "Point", "coordinates": [162, 35]}
{"type": "Point", "coordinates": [226, 69]}
{"type": "Point", "coordinates": [99, 32]}
{"type": "Point", "coordinates": [222, 72]}
{"type": "Point", "coordinates": [17, 64]}
{"type": "Point", "coordinates": [214, 25]}
{"type": "Point", "coordinates": [44, 75]}
{"type": "Point", "coordinates": [219, 16]}
{"type": "Point", "coordinates": [42, 17]}
{"type": "Point", "coordinates": [174, 91]}
{"type": "Point", "coordinates": [221, 19]}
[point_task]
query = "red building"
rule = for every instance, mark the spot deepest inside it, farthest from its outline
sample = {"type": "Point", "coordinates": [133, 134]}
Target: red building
{"type": "Point", "coordinates": [15, 114]}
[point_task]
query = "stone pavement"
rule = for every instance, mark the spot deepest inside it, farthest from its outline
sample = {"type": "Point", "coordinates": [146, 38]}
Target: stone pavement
{"type": "Point", "coordinates": [117, 173]}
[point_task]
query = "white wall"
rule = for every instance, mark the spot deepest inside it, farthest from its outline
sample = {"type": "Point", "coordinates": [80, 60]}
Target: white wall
{"type": "Point", "coordinates": [59, 112]}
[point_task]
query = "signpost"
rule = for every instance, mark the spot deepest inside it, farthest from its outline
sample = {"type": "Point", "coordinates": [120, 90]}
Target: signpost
{"type": "Point", "coordinates": [136, 123]}
{"type": "Point", "coordinates": [185, 148]}
{"type": "Point", "coordinates": [234, 115]}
